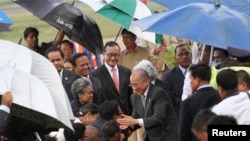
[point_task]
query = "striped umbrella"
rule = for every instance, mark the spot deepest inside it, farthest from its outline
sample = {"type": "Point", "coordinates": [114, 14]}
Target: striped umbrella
{"type": "Point", "coordinates": [123, 12]}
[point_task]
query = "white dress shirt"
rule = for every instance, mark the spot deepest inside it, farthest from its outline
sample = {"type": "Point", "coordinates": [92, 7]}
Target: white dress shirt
{"type": "Point", "coordinates": [237, 106]}
{"type": "Point", "coordinates": [187, 90]}
{"type": "Point", "coordinates": [5, 108]}
{"type": "Point", "coordinates": [110, 70]}
{"type": "Point", "coordinates": [140, 120]}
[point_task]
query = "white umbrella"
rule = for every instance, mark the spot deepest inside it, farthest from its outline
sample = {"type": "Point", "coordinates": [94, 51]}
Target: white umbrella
{"type": "Point", "coordinates": [32, 98]}
{"type": "Point", "coordinates": [22, 59]}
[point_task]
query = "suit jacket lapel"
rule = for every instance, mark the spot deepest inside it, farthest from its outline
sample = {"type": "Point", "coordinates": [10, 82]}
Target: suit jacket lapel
{"type": "Point", "coordinates": [64, 77]}
{"type": "Point", "coordinates": [179, 73]}
{"type": "Point", "coordinates": [121, 79]}
{"type": "Point", "coordinates": [140, 107]}
{"type": "Point", "coordinates": [148, 100]}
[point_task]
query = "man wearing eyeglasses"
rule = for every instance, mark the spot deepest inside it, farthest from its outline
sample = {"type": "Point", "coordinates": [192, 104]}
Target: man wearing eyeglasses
{"type": "Point", "coordinates": [114, 78]}
{"type": "Point", "coordinates": [151, 110]}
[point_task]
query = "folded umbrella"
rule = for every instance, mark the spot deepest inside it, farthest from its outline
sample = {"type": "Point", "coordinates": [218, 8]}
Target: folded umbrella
{"type": "Point", "coordinates": [5, 22]}
{"type": "Point", "coordinates": [77, 25]}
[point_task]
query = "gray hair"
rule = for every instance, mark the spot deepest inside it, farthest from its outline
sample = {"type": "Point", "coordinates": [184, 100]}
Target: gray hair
{"type": "Point", "coordinates": [79, 86]}
{"type": "Point", "coordinates": [147, 66]}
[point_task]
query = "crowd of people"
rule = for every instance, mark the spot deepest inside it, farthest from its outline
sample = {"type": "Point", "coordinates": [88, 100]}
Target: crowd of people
{"type": "Point", "coordinates": [132, 94]}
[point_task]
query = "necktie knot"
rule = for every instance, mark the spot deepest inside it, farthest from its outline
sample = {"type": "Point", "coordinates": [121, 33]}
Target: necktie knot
{"type": "Point", "coordinates": [185, 72]}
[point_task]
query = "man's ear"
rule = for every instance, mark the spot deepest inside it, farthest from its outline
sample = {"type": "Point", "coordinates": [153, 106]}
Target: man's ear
{"type": "Point", "coordinates": [244, 85]}
{"type": "Point", "coordinates": [221, 92]}
{"type": "Point", "coordinates": [197, 79]}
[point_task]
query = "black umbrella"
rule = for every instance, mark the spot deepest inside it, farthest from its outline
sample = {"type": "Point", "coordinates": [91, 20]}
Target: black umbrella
{"type": "Point", "coordinates": [77, 25]}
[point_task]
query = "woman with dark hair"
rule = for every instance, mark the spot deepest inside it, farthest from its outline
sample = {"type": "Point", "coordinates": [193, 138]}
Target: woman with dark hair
{"type": "Point", "coordinates": [87, 114]}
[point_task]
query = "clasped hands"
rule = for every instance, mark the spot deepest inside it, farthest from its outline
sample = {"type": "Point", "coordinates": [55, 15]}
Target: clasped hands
{"type": "Point", "coordinates": [127, 121]}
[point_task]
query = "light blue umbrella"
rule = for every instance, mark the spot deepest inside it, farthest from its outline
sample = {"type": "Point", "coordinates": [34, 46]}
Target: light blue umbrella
{"type": "Point", "coordinates": [215, 25]}
{"type": "Point", "coordinates": [239, 5]}
{"type": "Point", "coordinates": [5, 22]}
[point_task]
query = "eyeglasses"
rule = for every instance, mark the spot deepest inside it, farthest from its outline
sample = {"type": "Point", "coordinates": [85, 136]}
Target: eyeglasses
{"type": "Point", "coordinates": [112, 54]}
{"type": "Point", "coordinates": [136, 84]}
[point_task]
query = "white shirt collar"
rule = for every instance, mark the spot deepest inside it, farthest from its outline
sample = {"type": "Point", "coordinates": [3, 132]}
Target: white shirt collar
{"type": "Point", "coordinates": [61, 73]}
{"type": "Point", "coordinates": [182, 69]}
{"type": "Point", "coordinates": [146, 92]}
{"type": "Point", "coordinates": [204, 86]}
{"type": "Point", "coordinates": [110, 69]}
{"type": "Point", "coordinates": [5, 108]}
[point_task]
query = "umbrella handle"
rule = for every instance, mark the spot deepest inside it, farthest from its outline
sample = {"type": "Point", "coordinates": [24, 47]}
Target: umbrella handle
{"type": "Point", "coordinates": [118, 34]}
{"type": "Point", "coordinates": [59, 37]}
{"type": "Point", "coordinates": [20, 41]}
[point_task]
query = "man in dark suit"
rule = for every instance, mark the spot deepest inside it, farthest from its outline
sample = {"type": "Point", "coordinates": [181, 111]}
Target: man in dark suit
{"type": "Point", "coordinates": [81, 65]}
{"type": "Point", "coordinates": [56, 56]}
{"type": "Point", "coordinates": [6, 103]}
{"type": "Point", "coordinates": [174, 79]}
{"type": "Point", "coordinates": [204, 98]}
{"type": "Point", "coordinates": [114, 78]}
{"type": "Point", "coordinates": [150, 69]}
{"type": "Point", "coordinates": [151, 110]}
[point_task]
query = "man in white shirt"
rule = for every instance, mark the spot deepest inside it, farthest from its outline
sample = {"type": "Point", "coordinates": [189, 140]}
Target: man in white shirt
{"type": "Point", "coordinates": [202, 57]}
{"type": "Point", "coordinates": [234, 103]}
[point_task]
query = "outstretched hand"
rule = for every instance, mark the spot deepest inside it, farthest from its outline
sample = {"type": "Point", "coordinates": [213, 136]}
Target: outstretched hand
{"type": "Point", "coordinates": [127, 121]}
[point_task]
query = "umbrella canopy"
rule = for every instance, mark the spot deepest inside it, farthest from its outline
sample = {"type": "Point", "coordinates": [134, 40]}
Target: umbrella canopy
{"type": "Point", "coordinates": [5, 22]}
{"type": "Point", "coordinates": [123, 13]}
{"type": "Point", "coordinates": [29, 94]}
{"type": "Point", "coordinates": [215, 25]}
{"type": "Point", "coordinates": [239, 53]}
{"type": "Point", "coordinates": [33, 66]}
{"type": "Point", "coordinates": [77, 25]}
{"type": "Point", "coordinates": [239, 5]}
